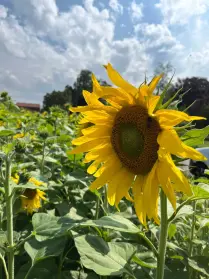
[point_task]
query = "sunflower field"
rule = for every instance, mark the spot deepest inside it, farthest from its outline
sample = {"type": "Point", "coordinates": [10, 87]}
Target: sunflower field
{"type": "Point", "coordinates": [98, 191]}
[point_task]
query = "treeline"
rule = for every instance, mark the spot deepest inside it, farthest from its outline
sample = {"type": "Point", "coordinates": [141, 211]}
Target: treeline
{"type": "Point", "coordinates": [193, 94]}
{"type": "Point", "coordinates": [71, 94]}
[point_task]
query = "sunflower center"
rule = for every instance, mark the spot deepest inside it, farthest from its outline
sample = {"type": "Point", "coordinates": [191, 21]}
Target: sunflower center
{"type": "Point", "coordinates": [134, 139]}
{"type": "Point", "coordinates": [30, 193]}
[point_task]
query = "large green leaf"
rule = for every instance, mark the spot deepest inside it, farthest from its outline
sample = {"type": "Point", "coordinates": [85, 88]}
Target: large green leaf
{"type": "Point", "coordinates": [104, 258]}
{"type": "Point", "coordinates": [47, 226]}
{"type": "Point", "coordinates": [41, 250]}
{"type": "Point", "coordinates": [114, 222]}
{"type": "Point", "coordinates": [200, 191]}
{"type": "Point", "coordinates": [45, 269]}
{"type": "Point", "coordinates": [200, 264]}
{"type": "Point", "coordinates": [6, 132]}
{"type": "Point", "coordinates": [195, 137]}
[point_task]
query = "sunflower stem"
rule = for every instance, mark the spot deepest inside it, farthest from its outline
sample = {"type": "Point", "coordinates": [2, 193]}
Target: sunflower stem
{"type": "Point", "coordinates": [192, 237]}
{"type": "Point", "coordinates": [106, 200]}
{"type": "Point", "coordinates": [97, 208]}
{"type": "Point", "coordinates": [163, 236]}
{"type": "Point", "coordinates": [9, 214]}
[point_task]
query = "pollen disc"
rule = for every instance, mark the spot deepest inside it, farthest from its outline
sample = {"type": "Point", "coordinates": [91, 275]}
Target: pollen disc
{"type": "Point", "coordinates": [134, 139]}
{"type": "Point", "coordinates": [30, 193]}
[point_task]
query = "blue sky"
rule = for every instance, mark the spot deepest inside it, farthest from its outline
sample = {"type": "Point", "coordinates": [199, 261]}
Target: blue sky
{"type": "Point", "coordinates": [45, 43]}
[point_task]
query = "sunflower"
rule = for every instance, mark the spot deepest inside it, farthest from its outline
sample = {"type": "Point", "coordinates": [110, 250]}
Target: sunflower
{"type": "Point", "coordinates": [131, 144]}
{"type": "Point", "coordinates": [18, 136]}
{"type": "Point", "coordinates": [31, 198]}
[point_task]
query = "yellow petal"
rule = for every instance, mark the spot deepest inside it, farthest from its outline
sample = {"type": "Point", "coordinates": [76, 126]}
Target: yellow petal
{"type": "Point", "coordinates": [165, 182]}
{"type": "Point", "coordinates": [96, 86]}
{"type": "Point", "coordinates": [96, 143]}
{"type": "Point", "coordinates": [111, 168]}
{"type": "Point", "coordinates": [107, 109]}
{"type": "Point", "coordinates": [94, 133]}
{"type": "Point", "coordinates": [116, 78]}
{"type": "Point", "coordinates": [101, 152]}
{"type": "Point", "coordinates": [170, 118]}
{"type": "Point", "coordinates": [180, 182]}
{"type": "Point", "coordinates": [151, 194]}
{"type": "Point", "coordinates": [154, 83]}
{"type": "Point", "coordinates": [97, 130]}
{"type": "Point", "coordinates": [138, 188]}
{"type": "Point", "coordinates": [112, 186]}
{"type": "Point", "coordinates": [91, 99]}
{"type": "Point", "coordinates": [170, 140]}
{"type": "Point", "coordinates": [152, 102]}
{"type": "Point", "coordinates": [124, 186]}
{"type": "Point", "coordinates": [94, 166]}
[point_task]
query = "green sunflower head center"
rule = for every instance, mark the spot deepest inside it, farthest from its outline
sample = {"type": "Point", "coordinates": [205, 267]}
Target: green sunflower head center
{"type": "Point", "coordinates": [134, 139]}
{"type": "Point", "coordinates": [30, 193]}
{"type": "Point", "coordinates": [131, 140]}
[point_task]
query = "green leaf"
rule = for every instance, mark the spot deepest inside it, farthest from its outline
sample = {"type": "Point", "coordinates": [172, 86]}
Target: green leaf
{"type": "Point", "coordinates": [145, 259]}
{"type": "Point", "coordinates": [6, 132]}
{"type": "Point", "coordinates": [195, 137]}
{"type": "Point", "coordinates": [107, 259]}
{"type": "Point", "coordinates": [200, 264]}
{"type": "Point", "coordinates": [41, 250]}
{"type": "Point", "coordinates": [78, 275]}
{"type": "Point", "coordinates": [114, 222]}
{"type": "Point", "coordinates": [171, 230]}
{"type": "Point", "coordinates": [201, 191]}
{"type": "Point", "coordinates": [47, 226]}
{"type": "Point", "coordinates": [45, 269]}
{"type": "Point", "coordinates": [29, 185]}
{"type": "Point", "coordinates": [49, 159]}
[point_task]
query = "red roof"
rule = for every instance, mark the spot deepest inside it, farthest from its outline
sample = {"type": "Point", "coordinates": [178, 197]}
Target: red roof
{"type": "Point", "coordinates": [26, 105]}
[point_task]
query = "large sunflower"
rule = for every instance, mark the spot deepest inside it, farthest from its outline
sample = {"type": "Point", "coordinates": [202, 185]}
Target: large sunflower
{"type": "Point", "coordinates": [131, 144]}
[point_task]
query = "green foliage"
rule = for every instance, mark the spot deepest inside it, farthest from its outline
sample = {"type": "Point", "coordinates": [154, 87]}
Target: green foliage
{"type": "Point", "coordinates": [74, 234]}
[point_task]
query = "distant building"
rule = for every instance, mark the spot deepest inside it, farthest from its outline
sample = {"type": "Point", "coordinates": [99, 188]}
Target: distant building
{"type": "Point", "coordinates": [31, 107]}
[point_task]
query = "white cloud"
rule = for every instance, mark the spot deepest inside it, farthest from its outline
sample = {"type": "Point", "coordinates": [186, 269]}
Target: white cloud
{"type": "Point", "coordinates": [116, 6]}
{"type": "Point", "coordinates": [3, 12]}
{"type": "Point", "coordinates": [136, 11]}
{"type": "Point", "coordinates": [158, 36]}
{"type": "Point", "coordinates": [180, 11]}
{"type": "Point", "coordinates": [42, 49]}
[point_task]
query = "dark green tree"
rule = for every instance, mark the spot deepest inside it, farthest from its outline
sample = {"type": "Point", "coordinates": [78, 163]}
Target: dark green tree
{"type": "Point", "coordinates": [58, 98]}
{"type": "Point", "coordinates": [196, 100]}
{"type": "Point", "coordinates": [83, 82]}
{"type": "Point", "coordinates": [167, 70]}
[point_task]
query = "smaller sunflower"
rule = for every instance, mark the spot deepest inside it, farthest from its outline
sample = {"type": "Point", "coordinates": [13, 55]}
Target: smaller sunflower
{"type": "Point", "coordinates": [18, 136]}
{"type": "Point", "coordinates": [31, 198]}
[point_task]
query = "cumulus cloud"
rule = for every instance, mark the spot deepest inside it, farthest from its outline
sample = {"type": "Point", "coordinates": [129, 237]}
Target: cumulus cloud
{"type": "Point", "coordinates": [42, 49]}
{"type": "Point", "coordinates": [3, 12]}
{"type": "Point", "coordinates": [158, 36]}
{"type": "Point", "coordinates": [136, 11]}
{"type": "Point", "coordinates": [180, 11]}
{"type": "Point", "coordinates": [116, 6]}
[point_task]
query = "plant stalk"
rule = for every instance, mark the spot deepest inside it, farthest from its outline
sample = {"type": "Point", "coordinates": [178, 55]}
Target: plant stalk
{"type": "Point", "coordinates": [163, 236]}
{"type": "Point", "coordinates": [9, 213]}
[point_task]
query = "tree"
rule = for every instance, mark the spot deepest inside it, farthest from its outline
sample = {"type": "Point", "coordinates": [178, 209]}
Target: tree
{"type": "Point", "coordinates": [71, 95]}
{"type": "Point", "coordinates": [166, 69]}
{"type": "Point", "coordinates": [196, 99]}
{"type": "Point", "coordinates": [58, 98]}
{"type": "Point", "coordinates": [83, 82]}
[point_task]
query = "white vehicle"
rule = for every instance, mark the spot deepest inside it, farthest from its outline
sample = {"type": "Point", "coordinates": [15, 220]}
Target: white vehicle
{"type": "Point", "coordinates": [196, 168]}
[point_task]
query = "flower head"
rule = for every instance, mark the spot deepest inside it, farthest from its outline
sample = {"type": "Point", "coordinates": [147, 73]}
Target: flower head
{"type": "Point", "coordinates": [18, 136]}
{"type": "Point", "coordinates": [130, 144]}
{"type": "Point", "coordinates": [31, 198]}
